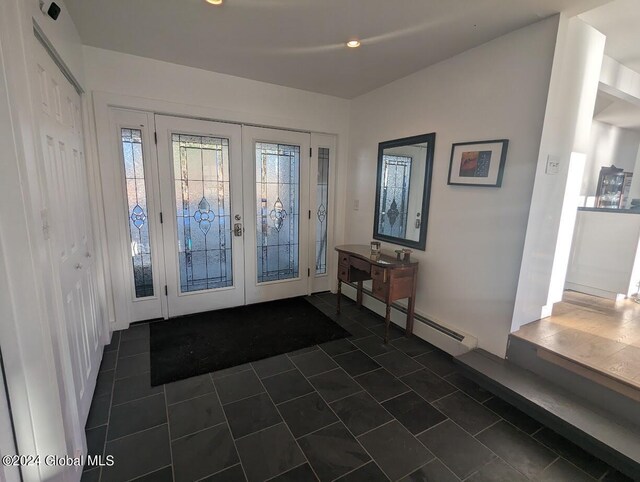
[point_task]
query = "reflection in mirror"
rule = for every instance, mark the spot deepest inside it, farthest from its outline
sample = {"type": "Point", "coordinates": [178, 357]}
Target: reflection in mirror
{"type": "Point", "coordinates": [402, 191]}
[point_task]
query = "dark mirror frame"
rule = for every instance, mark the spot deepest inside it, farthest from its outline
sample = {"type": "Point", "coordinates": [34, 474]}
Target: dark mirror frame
{"type": "Point", "coordinates": [430, 139]}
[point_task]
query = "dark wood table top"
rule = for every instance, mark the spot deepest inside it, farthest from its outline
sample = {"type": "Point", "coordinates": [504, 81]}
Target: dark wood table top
{"type": "Point", "coordinates": [386, 258]}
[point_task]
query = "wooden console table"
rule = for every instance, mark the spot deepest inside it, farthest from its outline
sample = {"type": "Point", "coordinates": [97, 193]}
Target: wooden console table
{"type": "Point", "coordinates": [393, 279]}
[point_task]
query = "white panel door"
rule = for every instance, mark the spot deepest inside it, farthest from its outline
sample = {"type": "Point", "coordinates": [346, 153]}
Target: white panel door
{"type": "Point", "coordinates": [276, 211]}
{"type": "Point", "coordinates": [68, 213]}
{"type": "Point", "coordinates": [200, 167]}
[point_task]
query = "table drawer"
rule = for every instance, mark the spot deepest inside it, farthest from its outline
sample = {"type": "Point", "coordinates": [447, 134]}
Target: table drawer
{"type": "Point", "coordinates": [380, 290]}
{"type": "Point", "coordinates": [378, 273]}
{"type": "Point", "coordinates": [343, 259]}
{"type": "Point", "coordinates": [360, 264]}
{"type": "Point", "coordinates": [343, 272]}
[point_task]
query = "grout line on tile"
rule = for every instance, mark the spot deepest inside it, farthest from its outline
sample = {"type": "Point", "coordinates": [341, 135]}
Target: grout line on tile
{"type": "Point", "coordinates": [287, 426]}
{"type": "Point", "coordinates": [235, 447]}
{"type": "Point", "coordinates": [137, 432]}
{"type": "Point", "coordinates": [166, 408]}
{"type": "Point", "coordinates": [192, 398]}
{"type": "Point", "coordinates": [220, 471]}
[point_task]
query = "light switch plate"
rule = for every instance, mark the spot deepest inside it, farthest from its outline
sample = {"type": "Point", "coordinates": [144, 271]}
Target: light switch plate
{"type": "Point", "coordinates": [553, 165]}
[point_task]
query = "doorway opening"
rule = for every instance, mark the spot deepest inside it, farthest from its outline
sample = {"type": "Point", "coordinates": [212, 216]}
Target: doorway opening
{"type": "Point", "coordinates": [595, 326]}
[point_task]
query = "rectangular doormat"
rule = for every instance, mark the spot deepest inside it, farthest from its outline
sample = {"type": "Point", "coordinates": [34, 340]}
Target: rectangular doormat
{"type": "Point", "coordinates": [191, 345]}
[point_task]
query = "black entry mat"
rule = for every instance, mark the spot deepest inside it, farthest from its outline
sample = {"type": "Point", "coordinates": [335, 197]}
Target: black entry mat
{"type": "Point", "coordinates": [191, 345]}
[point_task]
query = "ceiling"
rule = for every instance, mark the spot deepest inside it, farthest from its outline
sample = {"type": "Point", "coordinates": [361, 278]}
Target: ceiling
{"type": "Point", "coordinates": [620, 22]}
{"type": "Point", "coordinates": [300, 43]}
{"type": "Point", "coordinates": [617, 112]}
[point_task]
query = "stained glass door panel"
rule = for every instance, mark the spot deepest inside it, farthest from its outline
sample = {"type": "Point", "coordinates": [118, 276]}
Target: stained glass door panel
{"type": "Point", "coordinates": [277, 265]}
{"type": "Point", "coordinates": [138, 215]}
{"type": "Point", "coordinates": [323, 147]}
{"type": "Point", "coordinates": [201, 178]}
{"type": "Point", "coordinates": [278, 211]}
{"type": "Point", "coordinates": [203, 211]}
{"type": "Point", "coordinates": [322, 210]}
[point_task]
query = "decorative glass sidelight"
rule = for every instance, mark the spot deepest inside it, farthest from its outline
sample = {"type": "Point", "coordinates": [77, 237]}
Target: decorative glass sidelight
{"type": "Point", "coordinates": [396, 172]}
{"type": "Point", "coordinates": [203, 207]}
{"type": "Point", "coordinates": [137, 209]}
{"type": "Point", "coordinates": [278, 210]}
{"type": "Point", "coordinates": [322, 210]}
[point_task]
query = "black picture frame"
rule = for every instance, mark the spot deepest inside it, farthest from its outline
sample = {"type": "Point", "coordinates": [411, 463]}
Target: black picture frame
{"type": "Point", "coordinates": [477, 181]}
{"type": "Point", "coordinates": [430, 140]}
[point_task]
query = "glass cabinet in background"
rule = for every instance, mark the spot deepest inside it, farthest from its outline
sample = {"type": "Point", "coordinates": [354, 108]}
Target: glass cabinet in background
{"type": "Point", "coordinates": [613, 188]}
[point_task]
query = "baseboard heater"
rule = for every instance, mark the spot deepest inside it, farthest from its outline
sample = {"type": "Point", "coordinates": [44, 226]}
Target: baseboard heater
{"type": "Point", "coordinates": [459, 337]}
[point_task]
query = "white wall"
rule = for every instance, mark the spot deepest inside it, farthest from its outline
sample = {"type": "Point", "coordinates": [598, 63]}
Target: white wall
{"type": "Point", "coordinates": [139, 83]}
{"type": "Point", "coordinates": [469, 271]}
{"type": "Point", "coordinates": [565, 138]}
{"type": "Point", "coordinates": [619, 80]}
{"type": "Point", "coordinates": [607, 145]}
{"type": "Point", "coordinates": [62, 34]}
{"type": "Point", "coordinates": [27, 317]}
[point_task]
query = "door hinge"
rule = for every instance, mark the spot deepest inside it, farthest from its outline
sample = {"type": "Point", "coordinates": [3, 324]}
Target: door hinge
{"type": "Point", "coordinates": [161, 219]}
{"type": "Point", "coordinates": [155, 137]}
{"type": "Point", "coordinates": [308, 272]}
{"type": "Point", "coordinates": [311, 152]}
{"type": "Point", "coordinates": [166, 290]}
{"type": "Point", "coordinates": [309, 213]}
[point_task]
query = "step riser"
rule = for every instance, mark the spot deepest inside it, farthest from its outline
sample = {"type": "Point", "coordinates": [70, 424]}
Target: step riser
{"type": "Point", "coordinates": [602, 433]}
{"type": "Point", "coordinates": [559, 426]}
{"type": "Point", "coordinates": [525, 355]}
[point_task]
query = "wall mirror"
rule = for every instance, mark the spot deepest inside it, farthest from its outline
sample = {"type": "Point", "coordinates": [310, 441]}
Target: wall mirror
{"type": "Point", "coordinates": [402, 192]}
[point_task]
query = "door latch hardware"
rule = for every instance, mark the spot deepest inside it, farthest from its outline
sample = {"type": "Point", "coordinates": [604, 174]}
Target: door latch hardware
{"type": "Point", "coordinates": [237, 229]}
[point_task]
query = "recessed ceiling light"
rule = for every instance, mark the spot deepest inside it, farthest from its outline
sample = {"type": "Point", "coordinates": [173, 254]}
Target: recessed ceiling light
{"type": "Point", "coordinates": [214, 2]}
{"type": "Point", "coordinates": [353, 43]}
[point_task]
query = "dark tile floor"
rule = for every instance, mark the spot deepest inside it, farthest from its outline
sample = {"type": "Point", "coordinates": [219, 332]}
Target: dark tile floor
{"type": "Point", "coordinates": [349, 410]}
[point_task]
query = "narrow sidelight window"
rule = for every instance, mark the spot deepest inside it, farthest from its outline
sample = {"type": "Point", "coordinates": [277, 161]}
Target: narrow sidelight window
{"type": "Point", "coordinates": [137, 212]}
{"type": "Point", "coordinates": [322, 210]}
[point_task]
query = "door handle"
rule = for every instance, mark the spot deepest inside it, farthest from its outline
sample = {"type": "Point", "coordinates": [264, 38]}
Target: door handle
{"type": "Point", "coordinates": [238, 230]}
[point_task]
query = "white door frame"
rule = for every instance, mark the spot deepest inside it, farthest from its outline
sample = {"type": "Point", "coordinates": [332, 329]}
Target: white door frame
{"type": "Point", "coordinates": [322, 281]}
{"type": "Point", "coordinates": [104, 162]}
{"type": "Point", "coordinates": [28, 319]}
{"type": "Point", "coordinates": [117, 217]}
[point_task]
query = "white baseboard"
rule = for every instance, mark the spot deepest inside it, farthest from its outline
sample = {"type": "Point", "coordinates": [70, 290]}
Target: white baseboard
{"type": "Point", "coordinates": [438, 338]}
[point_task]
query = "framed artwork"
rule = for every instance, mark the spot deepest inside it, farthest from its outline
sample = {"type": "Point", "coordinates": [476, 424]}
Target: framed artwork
{"type": "Point", "coordinates": [479, 163]}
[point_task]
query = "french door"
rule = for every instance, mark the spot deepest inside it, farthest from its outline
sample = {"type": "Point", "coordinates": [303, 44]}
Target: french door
{"type": "Point", "coordinates": [200, 169]}
{"type": "Point", "coordinates": [276, 208]}
{"type": "Point", "coordinates": [235, 213]}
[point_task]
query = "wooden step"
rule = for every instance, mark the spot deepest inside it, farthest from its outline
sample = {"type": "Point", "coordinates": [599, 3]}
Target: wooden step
{"type": "Point", "coordinates": [605, 435]}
